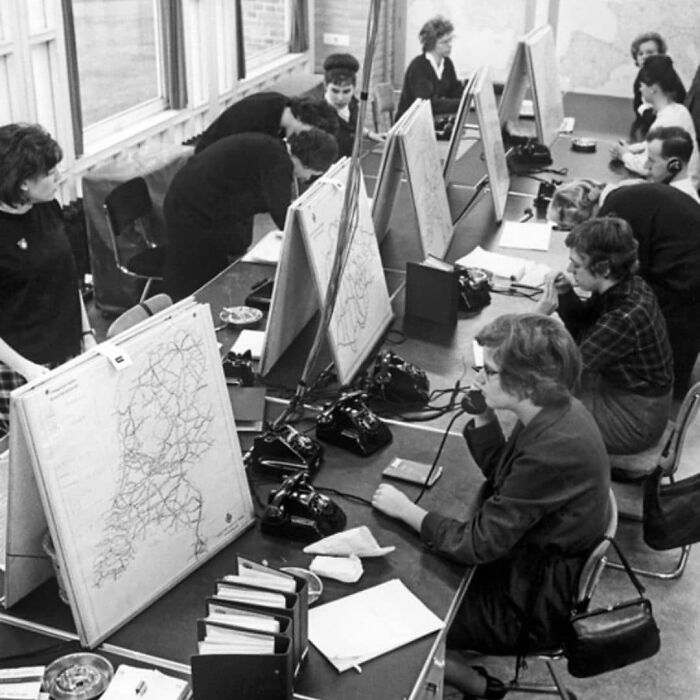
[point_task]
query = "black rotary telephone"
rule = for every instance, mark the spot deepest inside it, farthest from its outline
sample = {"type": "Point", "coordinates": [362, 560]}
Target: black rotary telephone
{"type": "Point", "coordinates": [348, 423]}
{"type": "Point", "coordinates": [393, 379]}
{"type": "Point", "coordinates": [283, 450]}
{"type": "Point", "coordinates": [297, 511]}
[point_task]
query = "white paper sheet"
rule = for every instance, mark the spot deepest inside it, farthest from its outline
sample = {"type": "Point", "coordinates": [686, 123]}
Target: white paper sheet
{"type": "Point", "coordinates": [266, 250]}
{"type": "Point", "coordinates": [501, 265]}
{"type": "Point", "coordinates": [249, 340]}
{"type": "Point", "coordinates": [525, 235]}
{"type": "Point", "coordinates": [364, 625]}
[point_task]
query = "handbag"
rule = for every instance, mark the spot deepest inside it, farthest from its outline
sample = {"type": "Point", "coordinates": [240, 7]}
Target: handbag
{"type": "Point", "coordinates": [604, 639]}
{"type": "Point", "coordinates": [671, 514]}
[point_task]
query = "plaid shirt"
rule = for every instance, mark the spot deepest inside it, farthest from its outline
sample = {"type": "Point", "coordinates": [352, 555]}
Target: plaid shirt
{"type": "Point", "coordinates": [622, 336]}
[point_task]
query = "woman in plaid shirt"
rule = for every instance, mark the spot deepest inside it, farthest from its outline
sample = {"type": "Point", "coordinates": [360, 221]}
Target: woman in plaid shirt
{"type": "Point", "coordinates": [627, 376]}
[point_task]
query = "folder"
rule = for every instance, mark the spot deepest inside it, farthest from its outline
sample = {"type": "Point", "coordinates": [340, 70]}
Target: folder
{"type": "Point", "coordinates": [250, 676]}
{"type": "Point", "coordinates": [432, 293]}
{"type": "Point", "coordinates": [216, 605]}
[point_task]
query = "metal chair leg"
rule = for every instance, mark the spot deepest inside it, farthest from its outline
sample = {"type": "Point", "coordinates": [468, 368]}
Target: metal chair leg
{"type": "Point", "coordinates": [146, 287]}
{"type": "Point", "coordinates": [663, 575]}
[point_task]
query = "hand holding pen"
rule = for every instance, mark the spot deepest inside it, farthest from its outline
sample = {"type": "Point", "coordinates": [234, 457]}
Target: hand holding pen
{"type": "Point", "coordinates": [555, 283]}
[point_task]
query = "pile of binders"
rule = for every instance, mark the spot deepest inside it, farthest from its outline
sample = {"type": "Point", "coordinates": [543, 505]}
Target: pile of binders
{"type": "Point", "coordinates": [254, 636]}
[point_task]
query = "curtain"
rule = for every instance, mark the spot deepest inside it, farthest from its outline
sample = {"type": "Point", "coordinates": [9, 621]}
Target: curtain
{"type": "Point", "coordinates": [299, 36]}
{"type": "Point", "coordinates": [174, 53]}
{"type": "Point", "coordinates": [76, 109]}
{"type": "Point", "coordinates": [240, 42]}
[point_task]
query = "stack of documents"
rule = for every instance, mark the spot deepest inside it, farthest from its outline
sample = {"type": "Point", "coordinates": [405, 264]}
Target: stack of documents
{"type": "Point", "coordinates": [132, 682]}
{"type": "Point", "coordinates": [21, 683]}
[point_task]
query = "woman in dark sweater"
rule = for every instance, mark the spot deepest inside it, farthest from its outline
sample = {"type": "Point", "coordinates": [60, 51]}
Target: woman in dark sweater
{"type": "Point", "coordinates": [42, 319]}
{"type": "Point", "coordinates": [270, 113]}
{"type": "Point", "coordinates": [211, 201]}
{"type": "Point", "coordinates": [431, 76]}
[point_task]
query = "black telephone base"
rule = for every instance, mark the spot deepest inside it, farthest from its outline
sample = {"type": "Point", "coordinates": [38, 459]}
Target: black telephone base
{"type": "Point", "coordinates": [363, 444]}
{"type": "Point", "coordinates": [304, 529]}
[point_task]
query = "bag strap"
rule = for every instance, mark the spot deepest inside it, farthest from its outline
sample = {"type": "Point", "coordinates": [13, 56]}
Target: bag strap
{"type": "Point", "coordinates": [625, 564]}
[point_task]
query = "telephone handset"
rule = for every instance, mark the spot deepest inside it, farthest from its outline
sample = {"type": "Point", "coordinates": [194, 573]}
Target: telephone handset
{"type": "Point", "coordinates": [350, 424]}
{"type": "Point", "coordinates": [297, 511]}
{"type": "Point", "coordinates": [284, 450]}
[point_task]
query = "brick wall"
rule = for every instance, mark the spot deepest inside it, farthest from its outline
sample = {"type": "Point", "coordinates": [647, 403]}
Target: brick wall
{"type": "Point", "coordinates": [265, 24]}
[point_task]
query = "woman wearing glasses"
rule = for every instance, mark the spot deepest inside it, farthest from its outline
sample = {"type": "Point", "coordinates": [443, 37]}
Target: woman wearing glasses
{"type": "Point", "coordinates": [431, 76]}
{"type": "Point", "coordinates": [540, 512]}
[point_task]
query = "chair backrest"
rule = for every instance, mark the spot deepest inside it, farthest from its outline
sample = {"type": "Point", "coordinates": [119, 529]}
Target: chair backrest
{"type": "Point", "coordinates": [128, 205]}
{"type": "Point", "coordinates": [593, 568]}
{"type": "Point", "coordinates": [383, 104]}
{"type": "Point", "coordinates": [671, 452]}
{"type": "Point", "coordinates": [140, 312]}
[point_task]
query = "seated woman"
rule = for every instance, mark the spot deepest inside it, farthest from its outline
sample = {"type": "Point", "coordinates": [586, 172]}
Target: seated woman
{"type": "Point", "coordinates": [659, 85]}
{"type": "Point", "coordinates": [211, 201]}
{"type": "Point", "coordinates": [42, 317]}
{"type": "Point", "coordinates": [627, 366]}
{"type": "Point", "coordinates": [663, 220]}
{"type": "Point", "coordinates": [541, 511]}
{"type": "Point", "coordinates": [431, 76]}
{"type": "Point", "coordinates": [270, 113]}
{"type": "Point", "coordinates": [339, 92]}
{"type": "Point", "coordinates": [643, 46]}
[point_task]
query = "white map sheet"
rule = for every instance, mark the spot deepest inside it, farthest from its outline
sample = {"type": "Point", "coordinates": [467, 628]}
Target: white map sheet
{"type": "Point", "coordinates": [139, 470]}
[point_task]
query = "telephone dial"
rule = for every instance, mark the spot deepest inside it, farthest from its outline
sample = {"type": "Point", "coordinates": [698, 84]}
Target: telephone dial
{"type": "Point", "coordinates": [238, 368]}
{"type": "Point", "coordinates": [394, 379]}
{"type": "Point", "coordinates": [348, 423]}
{"type": "Point", "coordinates": [283, 450]}
{"type": "Point", "coordinates": [297, 511]}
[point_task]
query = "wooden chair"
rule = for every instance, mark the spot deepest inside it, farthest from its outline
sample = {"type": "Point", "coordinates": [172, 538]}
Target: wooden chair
{"type": "Point", "coordinates": [383, 105]}
{"type": "Point", "coordinates": [668, 458]}
{"type": "Point", "coordinates": [128, 210]}
{"type": "Point", "coordinates": [587, 584]}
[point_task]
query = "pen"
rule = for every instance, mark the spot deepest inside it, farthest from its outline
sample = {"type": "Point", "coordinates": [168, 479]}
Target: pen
{"type": "Point", "coordinates": [527, 215]}
{"type": "Point", "coordinates": [141, 688]}
{"type": "Point", "coordinates": [518, 285]}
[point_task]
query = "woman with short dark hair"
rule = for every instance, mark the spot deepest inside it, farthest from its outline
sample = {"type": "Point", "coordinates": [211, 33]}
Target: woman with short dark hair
{"type": "Point", "coordinates": [627, 364]}
{"type": "Point", "coordinates": [211, 201]}
{"type": "Point", "coordinates": [541, 511]}
{"type": "Point", "coordinates": [42, 318]}
{"type": "Point", "coordinates": [431, 76]}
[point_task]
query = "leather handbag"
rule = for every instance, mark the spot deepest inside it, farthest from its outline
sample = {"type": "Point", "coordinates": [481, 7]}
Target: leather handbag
{"type": "Point", "coordinates": [604, 639]}
{"type": "Point", "coordinates": [671, 514]}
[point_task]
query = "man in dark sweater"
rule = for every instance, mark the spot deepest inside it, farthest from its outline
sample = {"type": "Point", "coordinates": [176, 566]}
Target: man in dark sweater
{"type": "Point", "coordinates": [270, 113]}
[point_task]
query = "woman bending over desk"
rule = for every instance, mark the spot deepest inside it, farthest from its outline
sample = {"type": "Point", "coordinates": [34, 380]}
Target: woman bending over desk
{"type": "Point", "coordinates": [42, 318]}
{"type": "Point", "coordinates": [539, 514]}
{"type": "Point", "coordinates": [211, 201]}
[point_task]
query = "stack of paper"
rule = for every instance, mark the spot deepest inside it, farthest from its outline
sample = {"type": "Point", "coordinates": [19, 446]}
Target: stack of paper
{"type": "Point", "coordinates": [132, 682]}
{"type": "Point", "coordinates": [21, 683]}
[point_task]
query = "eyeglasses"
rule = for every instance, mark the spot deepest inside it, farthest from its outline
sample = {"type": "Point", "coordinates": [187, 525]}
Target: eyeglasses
{"type": "Point", "coordinates": [486, 370]}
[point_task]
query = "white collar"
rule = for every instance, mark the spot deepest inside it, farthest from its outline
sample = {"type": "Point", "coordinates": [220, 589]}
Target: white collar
{"type": "Point", "coordinates": [433, 62]}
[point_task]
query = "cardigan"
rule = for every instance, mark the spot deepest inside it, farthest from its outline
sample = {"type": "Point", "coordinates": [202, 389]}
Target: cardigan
{"type": "Point", "coordinates": [421, 81]}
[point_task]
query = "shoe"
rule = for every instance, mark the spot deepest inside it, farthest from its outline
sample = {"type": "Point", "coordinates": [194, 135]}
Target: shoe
{"type": "Point", "coordinates": [495, 688]}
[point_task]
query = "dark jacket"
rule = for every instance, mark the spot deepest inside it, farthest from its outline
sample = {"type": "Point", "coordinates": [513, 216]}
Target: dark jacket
{"type": "Point", "coordinates": [421, 81]}
{"type": "Point", "coordinates": [543, 508]}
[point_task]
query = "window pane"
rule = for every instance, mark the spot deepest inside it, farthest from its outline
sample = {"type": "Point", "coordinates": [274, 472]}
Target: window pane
{"type": "Point", "coordinates": [117, 55]}
{"type": "Point", "coordinates": [264, 31]}
{"type": "Point", "coordinates": [5, 96]}
{"type": "Point", "coordinates": [38, 18]}
{"type": "Point", "coordinates": [43, 86]}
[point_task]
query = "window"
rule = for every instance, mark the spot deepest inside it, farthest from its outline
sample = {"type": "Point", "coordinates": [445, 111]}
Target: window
{"type": "Point", "coordinates": [119, 58]}
{"type": "Point", "coordinates": [265, 32]}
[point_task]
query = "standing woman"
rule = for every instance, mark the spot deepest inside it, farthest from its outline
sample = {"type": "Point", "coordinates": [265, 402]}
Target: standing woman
{"type": "Point", "coordinates": [339, 81]}
{"type": "Point", "coordinates": [431, 76]}
{"type": "Point", "coordinates": [42, 317]}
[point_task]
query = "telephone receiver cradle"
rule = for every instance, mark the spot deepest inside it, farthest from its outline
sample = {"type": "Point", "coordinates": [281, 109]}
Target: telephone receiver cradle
{"type": "Point", "coordinates": [284, 451]}
{"type": "Point", "coordinates": [393, 379]}
{"type": "Point", "coordinates": [297, 511]}
{"type": "Point", "coordinates": [349, 424]}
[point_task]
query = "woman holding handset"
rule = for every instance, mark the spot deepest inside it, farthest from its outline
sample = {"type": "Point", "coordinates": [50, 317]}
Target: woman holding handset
{"type": "Point", "coordinates": [541, 510]}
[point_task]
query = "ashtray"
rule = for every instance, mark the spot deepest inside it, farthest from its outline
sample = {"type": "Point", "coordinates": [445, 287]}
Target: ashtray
{"type": "Point", "coordinates": [315, 585]}
{"type": "Point", "coordinates": [240, 315]}
{"type": "Point", "coordinates": [81, 676]}
{"type": "Point", "coordinates": [583, 145]}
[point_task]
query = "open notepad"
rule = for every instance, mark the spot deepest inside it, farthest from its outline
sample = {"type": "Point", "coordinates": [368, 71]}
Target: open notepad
{"type": "Point", "coordinates": [364, 625]}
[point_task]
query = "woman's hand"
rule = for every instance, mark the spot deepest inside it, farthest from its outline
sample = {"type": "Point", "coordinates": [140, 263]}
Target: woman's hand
{"type": "Point", "coordinates": [394, 503]}
{"type": "Point", "coordinates": [555, 283]}
{"type": "Point", "coordinates": [618, 150]}
{"type": "Point", "coordinates": [31, 370]}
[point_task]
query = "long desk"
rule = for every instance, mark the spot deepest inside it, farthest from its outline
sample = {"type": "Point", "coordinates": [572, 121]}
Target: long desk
{"type": "Point", "coordinates": [165, 633]}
